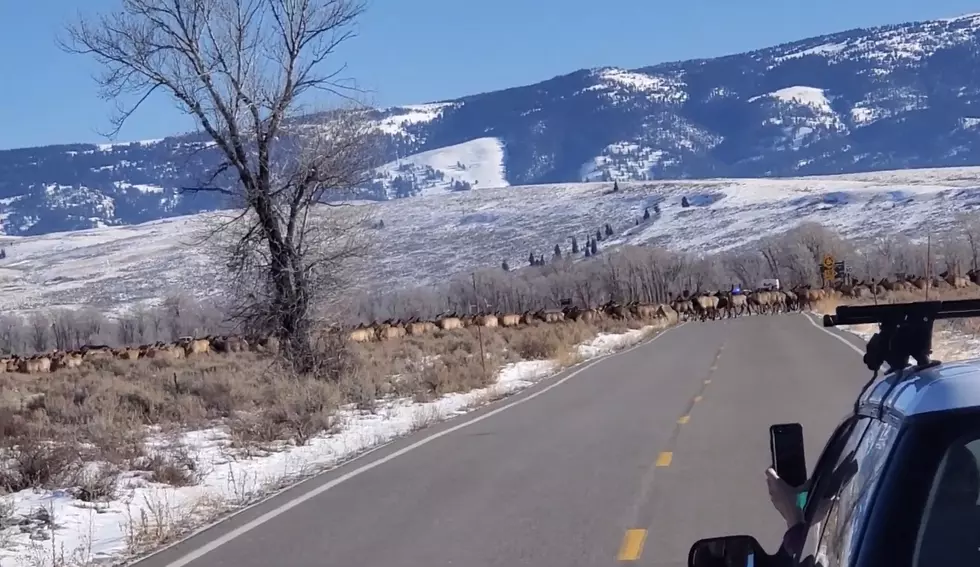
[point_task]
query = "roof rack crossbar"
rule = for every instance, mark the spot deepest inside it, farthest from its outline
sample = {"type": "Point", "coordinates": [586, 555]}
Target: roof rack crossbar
{"type": "Point", "coordinates": [905, 329]}
{"type": "Point", "coordinates": [899, 312]}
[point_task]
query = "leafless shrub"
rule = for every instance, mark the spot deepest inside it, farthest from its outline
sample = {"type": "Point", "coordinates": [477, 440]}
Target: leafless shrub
{"type": "Point", "coordinates": [171, 465]}
{"type": "Point", "coordinates": [303, 408]}
{"type": "Point", "coordinates": [35, 462]}
{"type": "Point", "coordinates": [97, 484]}
{"type": "Point", "coordinates": [161, 519]}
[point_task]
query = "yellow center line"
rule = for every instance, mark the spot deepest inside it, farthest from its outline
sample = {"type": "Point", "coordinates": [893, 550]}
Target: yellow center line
{"type": "Point", "coordinates": [698, 398]}
{"type": "Point", "coordinates": [664, 459]}
{"type": "Point", "coordinates": [684, 419]}
{"type": "Point", "coordinates": [632, 545]}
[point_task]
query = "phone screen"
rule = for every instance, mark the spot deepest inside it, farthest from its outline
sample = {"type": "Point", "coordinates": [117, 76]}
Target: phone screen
{"type": "Point", "coordinates": [788, 457]}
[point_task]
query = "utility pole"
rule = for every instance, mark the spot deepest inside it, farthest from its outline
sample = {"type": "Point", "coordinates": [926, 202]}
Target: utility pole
{"type": "Point", "coordinates": [928, 263]}
{"type": "Point", "coordinates": [479, 330]}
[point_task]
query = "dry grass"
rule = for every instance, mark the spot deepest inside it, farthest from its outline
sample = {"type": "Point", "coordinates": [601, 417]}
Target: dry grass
{"type": "Point", "coordinates": [829, 304]}
{"type": "Point", "coordinates": [52, 424]}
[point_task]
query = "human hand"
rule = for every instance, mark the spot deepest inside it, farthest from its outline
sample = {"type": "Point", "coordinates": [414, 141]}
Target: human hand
{"type": "Point", "coordinates": [783, 498]}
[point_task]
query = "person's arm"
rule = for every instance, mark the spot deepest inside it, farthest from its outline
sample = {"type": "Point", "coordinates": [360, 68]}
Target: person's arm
{"type": "Point", "coordinates": [785, 498]}
{"type": "Point", "coordinates": [789, 548]}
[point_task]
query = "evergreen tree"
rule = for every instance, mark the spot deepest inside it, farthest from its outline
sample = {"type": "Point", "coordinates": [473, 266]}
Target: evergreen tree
{"type": "Point", "coordinates": [646, 214]}
{"type": "Point", "coordinates": [381, 223]}
{"type": "Point", "coordinates": [530, 259]}
{"type": "Point", "coordinates": [598, 234]}
{"type": "Point", "coordinates": [557, 252]}
{"type": "Point", "coordinates": [684, 202]}
{"type": "Point", "coordinates": [574, 245]}
{"type": "Point", "coordinates": [656, 208]}
{"type": "Point", "coordinates": [588, 252]}
{"type": "Point", "coordinates": [505, 266]}
{"type": "Point", "coordinates": [595, 248]}
{"type": "Point", "coordinates": [609, 231]}
{"type": "Point", "coordinates": [636, 222]}
{"type": "Point", "coordinates": [3, 253]}
{"type": "Point", "coordinates": [615, 186]}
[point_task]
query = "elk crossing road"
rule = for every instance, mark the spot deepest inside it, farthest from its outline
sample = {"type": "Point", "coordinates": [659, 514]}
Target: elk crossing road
{"type": "Point", "coordinates": [624, 460]}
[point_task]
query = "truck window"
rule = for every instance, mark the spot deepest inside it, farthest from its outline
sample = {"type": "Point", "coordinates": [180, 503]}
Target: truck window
{"type": "Point", "coordinates": [846, 517]}
{"type": "Point", "coordinates": [925, 512]}
{"type": "Point", "coordinates": [826, 474]}
{"type": "Point", "coordinates": [949, 534]}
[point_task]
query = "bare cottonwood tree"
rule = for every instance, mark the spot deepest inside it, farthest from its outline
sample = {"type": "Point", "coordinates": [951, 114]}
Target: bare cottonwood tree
{"type": "Point", "coordinates": [242, 69]}
{"type": "Point", "coordinates": [969, 227]}
{"type": "Point", "coordinates": [39, 336]}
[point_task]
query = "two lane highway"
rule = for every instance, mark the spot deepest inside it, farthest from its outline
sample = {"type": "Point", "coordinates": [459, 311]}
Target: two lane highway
{"type": "Point", "coordinates": [625, 461]}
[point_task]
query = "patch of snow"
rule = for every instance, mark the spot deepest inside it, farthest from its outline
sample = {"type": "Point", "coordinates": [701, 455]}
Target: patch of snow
{"type": "Point", "coordinates": [98, 533]}
{"type": "Point", "coordinates": [826, 49]}
{"type": "Point", "coordinates": [479, 162]}
{"type": "Point", "coordinates": [410, 115]}
{"type": "Point", "coordinates": [949, 345]}
{"type": "Point", "coordinates": [809, 96]}
{"type": "Point", "coordinates": [142, 188]}
{"type": "Point", "coordinates": [622, 161]}
{"type": "Point", "coordinates": [617, 82]}
{"type": "Point", "coordinates": [969, 122]}
{"type": "Point", "coordinates": [109, 147]}
{"type": "Point", "coordinates": [607, 343]}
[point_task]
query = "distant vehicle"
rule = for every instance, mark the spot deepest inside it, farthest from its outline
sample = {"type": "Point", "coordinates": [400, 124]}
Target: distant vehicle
{"type": "Point", "coordinates": [770, 285]}
{"type": "Point", "coordinates": [898, 483]}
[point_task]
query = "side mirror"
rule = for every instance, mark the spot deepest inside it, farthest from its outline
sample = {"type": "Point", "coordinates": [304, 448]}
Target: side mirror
{"type": "Point", "coordinates": [727, 551]}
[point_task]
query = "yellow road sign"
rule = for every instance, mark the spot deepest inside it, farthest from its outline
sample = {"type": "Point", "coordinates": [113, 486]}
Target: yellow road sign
{"type": "Point", "coordinates": [828, 262]}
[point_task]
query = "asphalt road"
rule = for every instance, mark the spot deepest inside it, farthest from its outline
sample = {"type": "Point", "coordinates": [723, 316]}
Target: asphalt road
{"type": "Point", "coordinates": [625, 461]}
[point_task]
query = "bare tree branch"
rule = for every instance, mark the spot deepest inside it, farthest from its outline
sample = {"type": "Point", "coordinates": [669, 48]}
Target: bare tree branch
{"type": "Point", "coordinates": [242, 69]}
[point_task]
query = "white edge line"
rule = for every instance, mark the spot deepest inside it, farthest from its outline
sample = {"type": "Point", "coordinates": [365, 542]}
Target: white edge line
{"type": "Point", "coordinates": [271, 514]}
{"type": "Point", "coordinates": [849, 344]}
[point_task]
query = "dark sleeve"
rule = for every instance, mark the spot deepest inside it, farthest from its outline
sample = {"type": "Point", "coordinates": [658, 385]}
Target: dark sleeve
{"type": "Point", "coordinates": [792, 544]}
{"type": "Point", "coordinates": [789, 549]}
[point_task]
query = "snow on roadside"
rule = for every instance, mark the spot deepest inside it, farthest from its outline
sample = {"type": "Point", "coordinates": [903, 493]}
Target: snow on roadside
{"type": "Point", "coordinates": [863, 331]}
{"type": "Point", "coordinates": [948, 345]}
{"type": "Point", "coordinates": [606, 343]}
{"type": "Point", "coordinates": [86, 533]}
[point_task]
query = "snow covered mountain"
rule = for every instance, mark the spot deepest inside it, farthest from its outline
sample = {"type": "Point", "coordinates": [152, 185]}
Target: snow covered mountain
{"type": "Point", "coordinates": [891, 97]}
{"type": "Point", "coordinates": [426, 240]}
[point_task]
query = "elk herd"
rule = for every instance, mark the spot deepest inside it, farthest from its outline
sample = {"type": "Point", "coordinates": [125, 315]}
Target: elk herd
{"type": "Point", "coordinates": [699, 306]}
{"type": "Point", "coordinates": [686, 306]}
{"type": "Point", "coordinates": [183, 348]}
{"type": "Point", "coordinates": [393, 328]}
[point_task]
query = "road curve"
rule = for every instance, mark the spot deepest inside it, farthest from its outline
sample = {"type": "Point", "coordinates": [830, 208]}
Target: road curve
{"type": "Point", "coordinates": [625, 461]}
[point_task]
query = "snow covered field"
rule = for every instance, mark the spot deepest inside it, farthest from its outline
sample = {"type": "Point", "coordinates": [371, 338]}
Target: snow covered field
{"type": "Point", "coordinates": [53, 529]}
{"type": "Point", "coordinates": [427, 239]}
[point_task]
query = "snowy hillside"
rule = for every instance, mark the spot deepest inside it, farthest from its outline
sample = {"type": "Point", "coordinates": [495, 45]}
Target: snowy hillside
{"type": "Point", "coordinates": [893, 97]}
{"type": "Point", "coordinates": [424, 241]}
{"type": "Point", "coordinates": [477, 164]}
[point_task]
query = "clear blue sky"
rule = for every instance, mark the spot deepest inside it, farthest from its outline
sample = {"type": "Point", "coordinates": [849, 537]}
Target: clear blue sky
{"type": "Point", "coordinates": [412, 51]}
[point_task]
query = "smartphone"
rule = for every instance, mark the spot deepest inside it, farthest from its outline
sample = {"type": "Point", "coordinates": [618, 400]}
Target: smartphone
{"type": "Point", "coordinates": [788, 457]}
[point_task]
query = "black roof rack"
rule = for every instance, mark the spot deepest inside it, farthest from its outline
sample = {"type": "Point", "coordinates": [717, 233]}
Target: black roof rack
{"type": "Point", "coordinates": [906, 328]}
{"type": "Point", "coordinates": [905, 331]}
